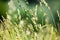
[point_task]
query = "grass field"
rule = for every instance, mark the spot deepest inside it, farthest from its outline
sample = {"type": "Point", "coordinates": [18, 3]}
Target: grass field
{"type": "Point", "coordinates": [19, 27]}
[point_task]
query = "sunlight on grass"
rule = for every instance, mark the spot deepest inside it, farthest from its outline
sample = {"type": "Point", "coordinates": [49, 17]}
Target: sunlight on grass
{"type": "Point", "coordinates": [21, 24]}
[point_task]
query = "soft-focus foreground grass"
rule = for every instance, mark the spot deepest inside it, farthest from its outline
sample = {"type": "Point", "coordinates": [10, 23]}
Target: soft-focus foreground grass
{"type": "Point", "coordinates": [16, 29]}
{"type": "Point", "coordinates": [8, 31]}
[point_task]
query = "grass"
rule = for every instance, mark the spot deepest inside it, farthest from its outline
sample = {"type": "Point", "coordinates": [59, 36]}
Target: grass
{"type": "Point", "coordinates": [18, 28]}
{"type": "Point", "coordinates": [8, 31]}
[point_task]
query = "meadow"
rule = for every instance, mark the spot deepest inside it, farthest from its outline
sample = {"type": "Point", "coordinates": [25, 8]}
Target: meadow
{"type": "Point", "coordinates": [25, 23]}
